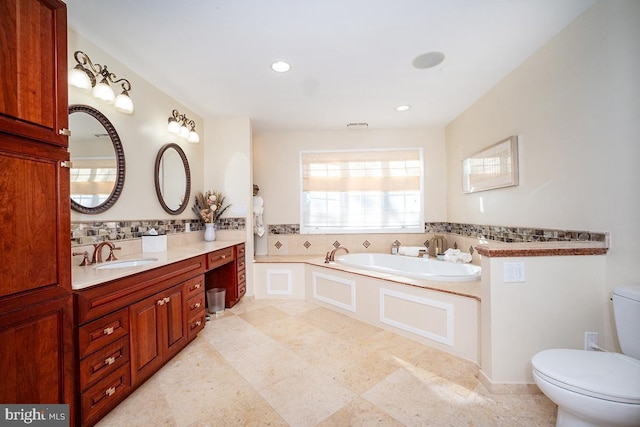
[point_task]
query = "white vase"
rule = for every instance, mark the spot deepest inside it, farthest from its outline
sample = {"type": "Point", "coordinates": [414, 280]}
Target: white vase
{"type": "Point", "coordinates": [209, 232]}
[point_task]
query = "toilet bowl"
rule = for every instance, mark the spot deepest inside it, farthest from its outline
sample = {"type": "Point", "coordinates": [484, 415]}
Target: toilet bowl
{"type": "Point", "coordinates": [594, 388]}
{"type": "Point", "coordinates": [590, 388]}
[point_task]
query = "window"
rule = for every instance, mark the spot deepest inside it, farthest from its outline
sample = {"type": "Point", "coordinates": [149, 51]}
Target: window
{"type": "Point", "coordinates": [377, 191]}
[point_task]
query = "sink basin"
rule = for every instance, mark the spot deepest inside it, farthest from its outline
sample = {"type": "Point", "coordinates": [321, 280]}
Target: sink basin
{"type": "Point", "coordinates": [125, 263]}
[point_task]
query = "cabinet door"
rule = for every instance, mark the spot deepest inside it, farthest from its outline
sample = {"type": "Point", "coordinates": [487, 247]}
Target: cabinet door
{"type": "Point", "coordinates": [146, 345]}
{"type": "Point", "coordinates": [175, 325]}
{"type": "Point", "coordinates": [34, 205]}
{"type": "Point", "coordinates": [37, 353]}
{"type": "Point", "coordinates": [33, 48]}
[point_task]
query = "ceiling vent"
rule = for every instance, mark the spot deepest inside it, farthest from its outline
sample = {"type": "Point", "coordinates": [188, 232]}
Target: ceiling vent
{"type": "Point", "coordinates": [357, 125]}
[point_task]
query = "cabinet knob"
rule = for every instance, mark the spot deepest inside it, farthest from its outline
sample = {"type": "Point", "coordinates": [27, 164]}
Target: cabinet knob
{"type": "Point", "coordinates": [108, 331]}
{"type": "Point", "coordinates": [110, 360]}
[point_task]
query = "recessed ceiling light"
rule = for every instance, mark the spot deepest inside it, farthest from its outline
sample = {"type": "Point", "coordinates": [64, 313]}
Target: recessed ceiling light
{"type": "Point", "coordinates": [280, 67]}
{"type": "Point", "coordinates": [403, 107]}
{"type": "Point", "coordinates": [428, 60]}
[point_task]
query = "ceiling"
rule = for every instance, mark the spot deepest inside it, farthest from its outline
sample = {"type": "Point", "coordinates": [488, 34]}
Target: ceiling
{"type": "Point", "coordinates": [351, 60]}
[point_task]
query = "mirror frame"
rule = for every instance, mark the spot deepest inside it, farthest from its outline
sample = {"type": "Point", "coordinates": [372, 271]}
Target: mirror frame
{"type": "Point", "coordinates": [187, 171]}
{"type": "Point", "coordinates": [120, 163]}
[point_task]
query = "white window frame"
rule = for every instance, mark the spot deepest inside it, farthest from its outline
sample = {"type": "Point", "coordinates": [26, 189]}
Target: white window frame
{"type": "Point", "coordinates": [413, 228]}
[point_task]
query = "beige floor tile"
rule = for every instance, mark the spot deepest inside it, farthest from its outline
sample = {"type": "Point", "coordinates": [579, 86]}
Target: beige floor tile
{"type": "Point", "coordinates": [360, 413]}
{"type": "Point", "coordinates": [294, 363]}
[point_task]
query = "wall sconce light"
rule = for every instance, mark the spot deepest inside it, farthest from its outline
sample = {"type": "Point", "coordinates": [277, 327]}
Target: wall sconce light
{"type": "Point", "coordinates": [97, 76]}
{"type": "Point", "coordinates": [184, 127]}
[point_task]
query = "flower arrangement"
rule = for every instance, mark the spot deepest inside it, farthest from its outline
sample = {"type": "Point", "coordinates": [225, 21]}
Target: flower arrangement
{"type": "Point", "coordinates": [209, 206]}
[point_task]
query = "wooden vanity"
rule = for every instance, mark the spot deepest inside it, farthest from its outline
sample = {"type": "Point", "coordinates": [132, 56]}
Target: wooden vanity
{"type": "Point", "coordinates": [128, 328]}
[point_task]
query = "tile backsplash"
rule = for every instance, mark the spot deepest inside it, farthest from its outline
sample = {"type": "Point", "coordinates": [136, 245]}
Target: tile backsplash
{"type": "Point", "coordinates": [88, 232]}
{"type": "Point", "coordinates": [285, 239]}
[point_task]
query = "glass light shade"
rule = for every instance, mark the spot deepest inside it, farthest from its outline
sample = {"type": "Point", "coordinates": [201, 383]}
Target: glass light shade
{"type": "Point", "coordinates": [174, 126]}
{"type": "Point", "coordinates": [193, 137]}
{"type": "Point", "coordinates": [123, 103]}
{"type": "Point", "coordinates": [79, 78]}
{"type": "Point", "coordinates": [184, 131]}
{"type": "Point", "coordinates": [104, 92]}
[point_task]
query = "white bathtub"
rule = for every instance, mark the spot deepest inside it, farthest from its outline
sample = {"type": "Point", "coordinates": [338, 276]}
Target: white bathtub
{"type": "Point", "coordinates": [413, 267]}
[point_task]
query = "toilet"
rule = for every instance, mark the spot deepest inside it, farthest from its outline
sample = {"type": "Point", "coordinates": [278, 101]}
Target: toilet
{"type": "Point", "coordinates": [595, 388]}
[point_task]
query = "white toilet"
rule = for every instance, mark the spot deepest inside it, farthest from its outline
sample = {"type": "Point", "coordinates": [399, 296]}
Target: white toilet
{"type": "Point", "coordinates": [594, 388]}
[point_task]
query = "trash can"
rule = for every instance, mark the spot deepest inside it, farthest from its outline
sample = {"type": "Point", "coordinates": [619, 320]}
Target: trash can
{"type": "Point", "coordinates": [215, 300]}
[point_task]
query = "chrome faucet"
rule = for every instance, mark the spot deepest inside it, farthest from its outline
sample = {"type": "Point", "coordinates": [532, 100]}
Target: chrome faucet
{"type": "Point", "coordinates": [97, 252]}
{"type": "Point", "coordinates": [332, 256]}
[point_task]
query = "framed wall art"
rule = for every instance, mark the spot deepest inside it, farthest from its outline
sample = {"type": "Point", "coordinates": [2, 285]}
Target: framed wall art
{"type": "Point", "coordinates": [493, 167]}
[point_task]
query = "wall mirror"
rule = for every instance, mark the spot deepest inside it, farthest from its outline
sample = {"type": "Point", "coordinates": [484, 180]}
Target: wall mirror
{"type": "Point", "coordinates": [97, 156]}
{"type": "Point", "coordinates": [173, 178]}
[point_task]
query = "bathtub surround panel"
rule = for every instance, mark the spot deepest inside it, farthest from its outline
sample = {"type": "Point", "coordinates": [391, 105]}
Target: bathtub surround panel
{"type": "Point", "coordinates": [334, 290]}
{"type": "Point", "coordinates": [426, 317]}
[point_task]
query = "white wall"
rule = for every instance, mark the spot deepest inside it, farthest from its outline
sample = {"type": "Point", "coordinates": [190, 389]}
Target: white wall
{"type": "Point", "coordinates": [574, 105]}
{"type": "Point", "coordinates": [276, 165]}
{"type": "Point", "coordinates": [142, 134]}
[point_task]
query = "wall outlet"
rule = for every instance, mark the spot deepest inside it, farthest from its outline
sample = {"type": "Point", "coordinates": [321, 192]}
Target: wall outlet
{"type": "Point", "coordinates": [514, 272]}
{"type": "Point", "coordinates": [591, 341]}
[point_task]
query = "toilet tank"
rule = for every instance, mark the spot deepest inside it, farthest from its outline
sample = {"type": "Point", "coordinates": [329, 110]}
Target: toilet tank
{"type": "Point", "coordinates": [626, 311]}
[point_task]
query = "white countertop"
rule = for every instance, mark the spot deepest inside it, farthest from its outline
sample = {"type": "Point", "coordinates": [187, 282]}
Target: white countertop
{"type": "Point", "coordinates": [84, 277]}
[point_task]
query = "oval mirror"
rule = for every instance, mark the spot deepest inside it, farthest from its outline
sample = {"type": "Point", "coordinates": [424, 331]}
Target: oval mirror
{"type": "Point", "coordinates": [97, 157]}
{"type": "Point", "coordinates": [173, 179]}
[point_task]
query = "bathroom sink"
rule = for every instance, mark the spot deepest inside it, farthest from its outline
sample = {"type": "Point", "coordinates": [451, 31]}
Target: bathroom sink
{"type": "Point", "coordinates": [125, 263]}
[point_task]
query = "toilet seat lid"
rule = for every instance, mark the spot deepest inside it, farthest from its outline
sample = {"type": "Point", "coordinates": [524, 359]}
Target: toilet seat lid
{"type": "Point", "coordinates": [611, 376]}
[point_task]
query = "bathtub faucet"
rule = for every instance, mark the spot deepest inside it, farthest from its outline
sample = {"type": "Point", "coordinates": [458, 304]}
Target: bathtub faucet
{"type": "Point", "coordinates": [332, 256]}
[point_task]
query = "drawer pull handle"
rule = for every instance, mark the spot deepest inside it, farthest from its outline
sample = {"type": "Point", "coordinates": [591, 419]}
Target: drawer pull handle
{"type": "Point", "coordinates": [197, 286]}
{"type": "Point", "coordinates": [110, 391]}
{"type": "Point", "coordinates": [167, 299]}
{"type": "Point", "coordinates": [196, 324]}
{"type": "Point", "coordinates": [108, 331]}
{"type": "Point", "coordinates": [160, 302]}
{"type": "Point", "coordinates": [110, 360]}
{"type": "Point", "coordinates": [223, 256]}
{"type": "Point", "coordinates": [196, 305]}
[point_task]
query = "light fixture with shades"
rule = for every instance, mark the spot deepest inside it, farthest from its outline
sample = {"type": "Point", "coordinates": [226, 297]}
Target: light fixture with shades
{"type": "Point", "coordinates": [87, 75]}
{"type": "Point", "coordinates": [184, 127]}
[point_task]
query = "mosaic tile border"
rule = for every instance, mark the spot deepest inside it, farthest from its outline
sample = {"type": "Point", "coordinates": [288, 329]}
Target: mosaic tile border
{"type": "Point", "coordinates": [488, 232]}
{"type": "Point", "coordinates": [87, 232]}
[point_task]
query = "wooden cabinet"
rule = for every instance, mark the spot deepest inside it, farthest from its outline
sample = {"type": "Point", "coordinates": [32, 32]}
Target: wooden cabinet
{"type": "Point", "coordinates": [33, 69]}
{"type": "Point", "coordinates": [130, 327]}
{"type": "Point", "coordinates": [36, 304]}
{"type": "Point", "coordinates": [158, 331]}
{"type": "Point", "coordinates": [226, 269]}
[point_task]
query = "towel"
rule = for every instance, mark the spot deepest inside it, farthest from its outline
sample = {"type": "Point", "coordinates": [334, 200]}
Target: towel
{"type": "Point", "coordinates": [411, 250]}
{"type": "Point", "coordinates": [456, 255]}
{"type": "Point", "coordinates": [258, 210]}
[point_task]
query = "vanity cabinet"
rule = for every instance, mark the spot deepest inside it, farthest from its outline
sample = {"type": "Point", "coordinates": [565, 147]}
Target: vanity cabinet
{"type": "Point", "coordinates": [36, 303]}
{"type": "Point", "coordinates": [129, 328]}
{"type": "Point", "coordinates": [227, 269]}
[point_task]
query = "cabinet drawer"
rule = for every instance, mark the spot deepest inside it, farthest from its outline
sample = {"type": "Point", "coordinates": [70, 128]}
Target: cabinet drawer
{"type": "Point", "coordinates": [242, 289]}
{"type": "Point", "coordinates": [195, 325]}
{"type": "Point", "coordinates": [241, 264]}
{"type": "Point", "coordinates": [240, 250]}
{"type": "Point", "coordinates": [220, 257]}
{"type": "Point", "coordinates": [194, 286]}
{"type": "Point", "coordinates": [103, 362]}
{"type": "Point", "coordinates": [103, 331]}
{"type": "Point", "coordinates": [194, 305]}
{"type": "Point", "coordinates": [105, 394]}
{"type": "Point", "coordinates": [242, 276]}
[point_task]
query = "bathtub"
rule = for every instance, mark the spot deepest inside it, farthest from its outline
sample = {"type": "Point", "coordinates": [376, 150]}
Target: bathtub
{"type": "Point", "coordinates": [413, 267]}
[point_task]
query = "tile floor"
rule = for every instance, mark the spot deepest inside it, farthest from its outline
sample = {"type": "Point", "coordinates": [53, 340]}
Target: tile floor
{"type": "Point", "coordinates": [295, 363]}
